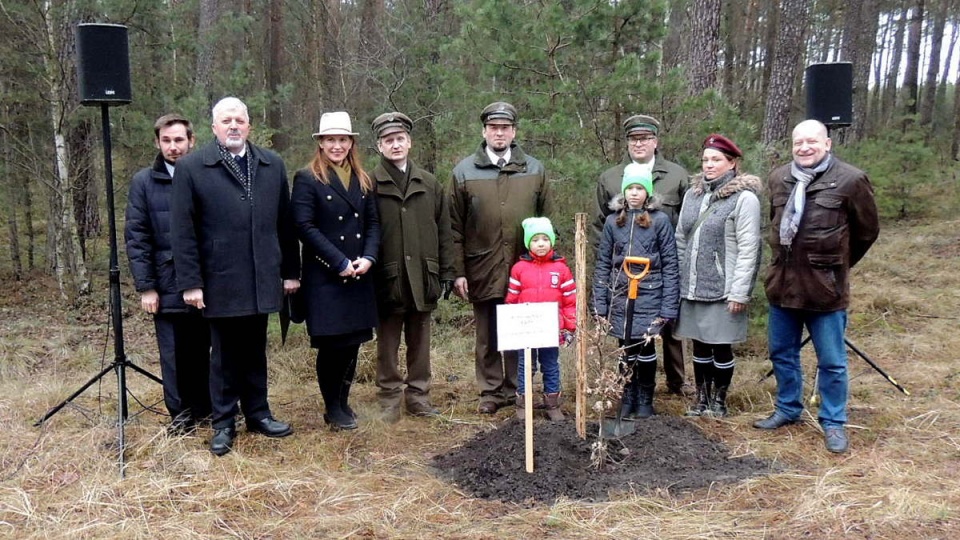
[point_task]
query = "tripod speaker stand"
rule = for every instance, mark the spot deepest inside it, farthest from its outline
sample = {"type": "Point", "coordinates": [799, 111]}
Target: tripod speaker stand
{"type": "Point", "coordinates": [104, 75]}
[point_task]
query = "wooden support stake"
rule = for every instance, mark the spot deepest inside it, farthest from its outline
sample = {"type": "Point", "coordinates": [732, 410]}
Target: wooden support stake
{"type": "Point", "coordinates": [528, 406]}
{"type": "Point", "coordinates": [580, 260]}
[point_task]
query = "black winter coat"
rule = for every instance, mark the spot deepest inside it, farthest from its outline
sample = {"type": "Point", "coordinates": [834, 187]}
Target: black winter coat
{"type": "Point", "coordinates": [335, 225]}
{"type": "Point", "coordinates": [147, 236]}
{"type": "Point", "coordinates": [238, 249]}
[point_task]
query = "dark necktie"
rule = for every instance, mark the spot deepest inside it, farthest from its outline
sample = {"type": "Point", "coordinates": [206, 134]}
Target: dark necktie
{"type": "Point", "coordinates": [501, 162]}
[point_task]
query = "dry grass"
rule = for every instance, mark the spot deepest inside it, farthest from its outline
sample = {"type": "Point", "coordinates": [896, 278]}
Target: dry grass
{"type": "Point", "coordinates": [900, 477]}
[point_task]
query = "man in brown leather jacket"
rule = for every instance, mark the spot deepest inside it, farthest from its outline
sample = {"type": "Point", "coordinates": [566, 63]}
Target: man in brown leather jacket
{"type": "Point", "coordinates": [823, 219]}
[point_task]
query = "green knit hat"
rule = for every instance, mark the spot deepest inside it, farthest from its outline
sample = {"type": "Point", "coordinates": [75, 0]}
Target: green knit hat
{"type": "Point", "coordinates": [533, 226]}
{"type": "Point", "coordinates": [634, 173]}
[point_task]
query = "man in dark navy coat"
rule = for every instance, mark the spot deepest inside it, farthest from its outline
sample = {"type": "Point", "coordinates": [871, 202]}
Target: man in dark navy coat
{"type": "Point", "coordinates": [236, 255]}
{"type": "Point", "coordinates": [183, 336]}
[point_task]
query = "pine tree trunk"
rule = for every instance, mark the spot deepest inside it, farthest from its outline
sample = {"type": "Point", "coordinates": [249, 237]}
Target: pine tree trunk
{"type": "Point", "coordinates": [704, 47]}
{"type": "Point", "coordinates": [275, 74]}
{"type": "Point", "coordinates": [675, 42]}
{"type": "Point", "coordinates": [912, 70]}
{"type": "Point", "coordinates": [27, 199]}
{"type": "Point", "coordinates": [11, 192]}
{"type": "Point", "coordinates": [874, 106]}
{"type": "Point", "coordinates": [890, 93]}
{"type": "Point", "coordinates": [939, 119]}
{"type": "Point", "coordinates": [786, 65]}
{"type": "Point", "coordinates": [206, 44]}
{"type": "Point", "coordinates": [86, 198]}
{"type": "Point", "coordinates": [929, 96]}
{"type": "Point", "coordinates": [955, 145]}
{"type": "Point", "coordinates": [770, 48]}
{"type": "Point", "coordinates": [332, 64]}
{"type": "Point", "coordinates": [860, 29]}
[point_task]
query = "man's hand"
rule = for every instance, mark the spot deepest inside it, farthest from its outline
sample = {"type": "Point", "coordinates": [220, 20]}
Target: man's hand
{"type": "Point", "coordinates": [150, 301]}
{"type": "Point", "coordinates": [566, 338]}
{"type": "Point", "coordinates": [194, 297]}
{"type": "Point", "coordinates": [291, 286]}
{"type": "Point", "coordinates": [460, 287]}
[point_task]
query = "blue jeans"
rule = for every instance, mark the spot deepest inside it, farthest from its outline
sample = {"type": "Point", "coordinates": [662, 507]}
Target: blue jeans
{"type": "Point", "coordinates": [549, 358]}
{"type": "Point", "coordinates": [784, 332]}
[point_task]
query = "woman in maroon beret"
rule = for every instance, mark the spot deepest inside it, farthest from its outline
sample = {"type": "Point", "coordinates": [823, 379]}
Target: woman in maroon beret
{"type": "Point", "coordinates": [718, 243]}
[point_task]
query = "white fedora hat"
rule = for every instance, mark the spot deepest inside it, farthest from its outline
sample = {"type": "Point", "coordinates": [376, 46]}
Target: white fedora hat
{"type": "Point", "coordinates": [335, 123]}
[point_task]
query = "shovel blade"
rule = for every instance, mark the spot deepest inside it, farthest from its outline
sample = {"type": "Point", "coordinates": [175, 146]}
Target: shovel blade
{"type": "Point", "coordinates": [615, 428]}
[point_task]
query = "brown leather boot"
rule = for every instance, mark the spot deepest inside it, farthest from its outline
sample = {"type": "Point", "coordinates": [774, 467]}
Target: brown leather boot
{"type": "Point", "coordinates": [552, 402]}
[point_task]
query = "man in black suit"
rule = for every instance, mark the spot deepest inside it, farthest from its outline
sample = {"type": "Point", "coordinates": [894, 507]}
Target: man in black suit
{"type": "Point", "coordinates": [183, 335]}
{"type": "Point", "coordinates": [236, 255]}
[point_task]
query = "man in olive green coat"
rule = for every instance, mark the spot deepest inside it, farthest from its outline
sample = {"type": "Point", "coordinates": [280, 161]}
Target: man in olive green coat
{"type": "Point", "coordinates": [669, 184]}
{"type": "Point", "coordinates": [493, 191]}
{"type": "Point", "coordinates": [416, 267]}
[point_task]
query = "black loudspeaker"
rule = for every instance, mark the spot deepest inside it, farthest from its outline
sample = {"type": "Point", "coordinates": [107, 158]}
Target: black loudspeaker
{"type": "Point", "coordinates": [103, 64]}
{"type": "Point", "coordinates": [830, 93]}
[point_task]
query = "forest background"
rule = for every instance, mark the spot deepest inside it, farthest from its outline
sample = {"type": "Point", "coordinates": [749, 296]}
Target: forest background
{"type": "Point", "coordinates": [574, 68]}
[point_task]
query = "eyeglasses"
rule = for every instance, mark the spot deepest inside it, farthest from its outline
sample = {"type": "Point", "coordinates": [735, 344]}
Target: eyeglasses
{"type": "Point", "coordinates": [642, 139]}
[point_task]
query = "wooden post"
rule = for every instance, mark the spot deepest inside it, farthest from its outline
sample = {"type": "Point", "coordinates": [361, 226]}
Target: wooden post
{"type": "Point", "coordinates": [581, 241]}
{"type": "Point", "coordinates": [528, 406]}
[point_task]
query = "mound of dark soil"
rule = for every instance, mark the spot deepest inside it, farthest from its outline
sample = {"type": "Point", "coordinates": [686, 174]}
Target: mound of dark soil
{"type": "Point", "coordinates": [663, 453]}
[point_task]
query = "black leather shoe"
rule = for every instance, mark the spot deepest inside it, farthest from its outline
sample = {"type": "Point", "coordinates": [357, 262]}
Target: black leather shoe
{"type": "Point", "coordinates": [774, 421]}
{"type": "Point", "coordinates": [337, 420]}
{"type": "Point", "coordinates": [270, 427]}
{"type": "Point", "coordinates": [222, 441]}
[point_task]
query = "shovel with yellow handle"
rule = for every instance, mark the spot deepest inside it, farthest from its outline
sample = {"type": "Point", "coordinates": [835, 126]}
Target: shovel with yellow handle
{"type": "Point", "coordinates": [635, 268]}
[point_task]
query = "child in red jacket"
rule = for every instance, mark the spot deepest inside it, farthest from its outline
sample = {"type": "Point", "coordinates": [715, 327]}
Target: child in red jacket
{"type": "Point", "coordinates": [542, 276]}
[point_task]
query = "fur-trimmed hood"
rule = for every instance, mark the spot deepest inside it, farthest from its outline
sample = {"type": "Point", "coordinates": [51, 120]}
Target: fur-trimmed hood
{"type": "Point", "coordinates": [618, 202]}
{"type": "Point", "coordinates": [736, 184]}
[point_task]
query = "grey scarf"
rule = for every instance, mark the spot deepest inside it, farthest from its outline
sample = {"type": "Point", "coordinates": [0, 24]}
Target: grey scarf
{"type": "Point", "coordinates": [793, 211]}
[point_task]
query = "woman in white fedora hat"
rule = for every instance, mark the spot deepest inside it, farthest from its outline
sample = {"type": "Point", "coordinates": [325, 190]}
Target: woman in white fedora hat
{"type": "Point", "coordinates": [335, 212]}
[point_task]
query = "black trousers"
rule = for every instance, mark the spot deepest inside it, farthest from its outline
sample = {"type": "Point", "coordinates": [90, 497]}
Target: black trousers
{"type": "Point", "coordinates": [238, 369]}
{"type": "Point", "coordinates": [184, 343]}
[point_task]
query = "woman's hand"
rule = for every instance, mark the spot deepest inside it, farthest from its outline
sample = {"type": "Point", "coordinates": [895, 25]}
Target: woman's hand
{"type": "Point", "coordinates": [349, 271]}
{"type": "Point", "coordinates": [735, 307]}
{"type": "Point", "coordinates": [361, 266]}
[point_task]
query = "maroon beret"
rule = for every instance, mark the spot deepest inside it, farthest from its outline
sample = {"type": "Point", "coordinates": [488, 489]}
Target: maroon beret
{"type": "Point", "coordinates": [723, 144]}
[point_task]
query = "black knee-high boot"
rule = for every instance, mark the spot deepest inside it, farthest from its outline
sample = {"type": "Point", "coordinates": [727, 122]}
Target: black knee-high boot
{"type": "Point", "coordinates": [721, 377]}
{"type": "Point", "coordinates": [347, 382]}
{"type": "Point", "coordinates": [703, 375]}
{"type": "Point", "coordinates": [646, 373]}
{"type": "Point", "coordinates": [331, 368]}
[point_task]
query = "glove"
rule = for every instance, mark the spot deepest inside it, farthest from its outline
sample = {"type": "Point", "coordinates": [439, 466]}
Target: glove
{"type": "Point", "coordinates": [566, 338]}
{"type": "Point", "coordinates": [446, 287]}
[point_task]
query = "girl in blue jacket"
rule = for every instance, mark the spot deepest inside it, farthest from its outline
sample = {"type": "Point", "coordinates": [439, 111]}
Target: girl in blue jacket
{"type": "Point", "coordinates": [637, 229]}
